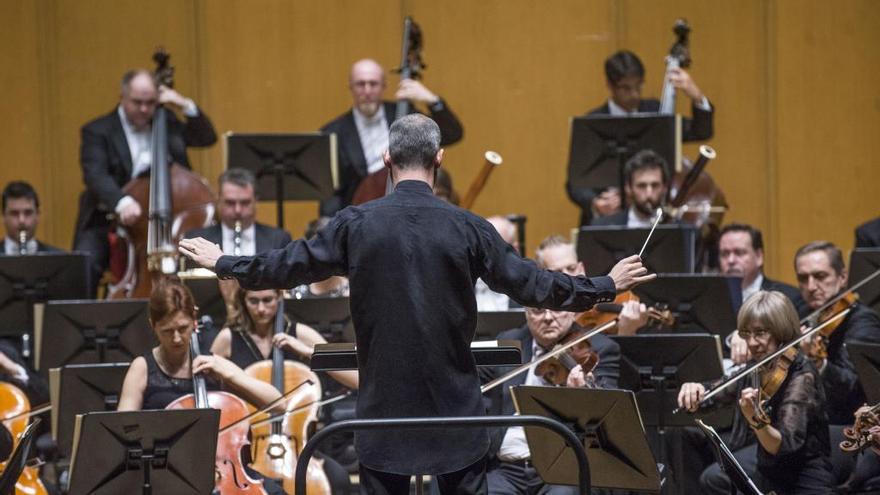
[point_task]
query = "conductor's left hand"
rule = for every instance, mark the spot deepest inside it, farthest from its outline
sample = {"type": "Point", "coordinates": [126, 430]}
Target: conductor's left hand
{"type": "Point", "coordinates": [202, 251]}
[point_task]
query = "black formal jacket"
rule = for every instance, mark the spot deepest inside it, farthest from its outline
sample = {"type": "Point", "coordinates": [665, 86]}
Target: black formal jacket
{"type": "Point", "coordinates": [412, 261]}
{"type": "Point", "coordinates": [839, 377]}
{"type": "Point", "coordinates": [790, 292]}
{"type": "Point", "coordinates": [350, 154]}
{"type": "Point", "coordinates": [868, 234]}
{"type": "Point", "coordinates": [698, 128]}
{"type": "Point", "coordinates": [500, 401]}
{"type": "Point", "coordinates": [106, 160]}
{"type": "Point", "coordinates": [36, 389]}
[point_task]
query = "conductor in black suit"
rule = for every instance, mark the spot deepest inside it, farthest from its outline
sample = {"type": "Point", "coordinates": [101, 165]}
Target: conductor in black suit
{"type": "Point", "coordinates": [238, 204]}
{"type": "Point", "coordinates": [362, 132]}
{"type": "Point", "coordinates": [624, 77]}
{"type": "Point", "coordinates": [21, 215]}
{"type": "Point", "coordinates": [116, 148]}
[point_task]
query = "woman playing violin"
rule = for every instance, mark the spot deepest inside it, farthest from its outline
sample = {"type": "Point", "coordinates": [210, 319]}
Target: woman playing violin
{"type": "Point", "coordinates": [164, 373]}
{"type": "Point", "coordinates": [791, 429]}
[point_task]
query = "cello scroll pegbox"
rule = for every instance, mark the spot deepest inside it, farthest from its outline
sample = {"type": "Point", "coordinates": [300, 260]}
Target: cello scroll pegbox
{"type": "Point", "coordinates": [164, 74]}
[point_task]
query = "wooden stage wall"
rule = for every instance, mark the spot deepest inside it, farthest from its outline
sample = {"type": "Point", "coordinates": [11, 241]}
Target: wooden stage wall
{"type": "Point", "coordinates": [794, 81]}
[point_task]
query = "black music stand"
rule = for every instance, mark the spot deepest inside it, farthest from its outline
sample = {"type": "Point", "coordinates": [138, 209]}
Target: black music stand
{"type": "Point", "coordinates": [34, 278]}
{"type": "Point", "coordinates": [168, 451]}
{"type": "Point", "coordinates": [331, 316]}
{"type": "Point", "coordinates": [491, 323]}
{"type": "Point", "coordinates": [738, 476]}
{"type": "Point", "coordinates": [610, 427]}
{"type": "Point", "coordinates": [671, 249]}
{"type": "Point", "coordinates": [90, 332]}
{"type": "Point", "coordinates": [866, 358]}
{"type": "Point", "coordinates": [863, 262]}
{"type": "Point", "coordinates": [600, 146]}
{"type": "Point", "coordinates": [79, 389]}
{"type": "Point", "coordinates": [19, 458]}
{"type": "Point", "coordinates": [205, 289]}
{"type": "Point", "coordinates": [293, 167]}
{"type": "Point", "coordinates": [699, 303]}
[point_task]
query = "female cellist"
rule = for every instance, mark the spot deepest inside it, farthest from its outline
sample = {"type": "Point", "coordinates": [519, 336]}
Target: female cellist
{"type": "Point", "coordinates": [790, 426]}
{"type": "Point", "coordinates": [165, 373]}
{"type": "Point", "coordinates": [249, 339]}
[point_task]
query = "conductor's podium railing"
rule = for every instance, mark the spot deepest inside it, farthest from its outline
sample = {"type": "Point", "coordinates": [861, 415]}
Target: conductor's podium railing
{"type": "Point", "coordinates": [439, 423]}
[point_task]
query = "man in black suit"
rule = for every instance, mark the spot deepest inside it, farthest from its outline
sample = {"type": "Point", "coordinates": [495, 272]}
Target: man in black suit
{"type": "Point", "coordinates": [362, 132]}
{"type": "Point", "coordinates": [237, 204]}
{"type": "Point", "coordinates": [741, 254]}
{"type": "Point", "coordinates": [868, 234]}
{"type": "Point", "coordinates": [646, 176]}
{"type": "Point", "coordinates": [21, 214]}
{"type": "Point", "coordinates": [116, 148]}
{"type": "Point", "coordinates": [624, 77]}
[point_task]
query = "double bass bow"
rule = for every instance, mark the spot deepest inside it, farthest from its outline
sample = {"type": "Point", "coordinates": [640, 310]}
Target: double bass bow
{"type": "Point", "coordinates": [177, 201]}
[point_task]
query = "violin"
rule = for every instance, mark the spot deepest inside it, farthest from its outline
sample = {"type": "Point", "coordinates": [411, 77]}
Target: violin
{"type": "Point", "coordinates": [277, 447]}
{"type": "Point", "coordinates": [605, 312]}
{"type": "Point", "coordinates": [230, 476]}
{"type": "Point", "coordinates": [768, 379]}
{"type": "Point", "coordinates": [817, 347]}
{"type": "Point", "coordinates": [859, 436]}
{"type": "Point", "coordinates": [556, 370]}
{"type": "Point", "coordinates": [15, 412]}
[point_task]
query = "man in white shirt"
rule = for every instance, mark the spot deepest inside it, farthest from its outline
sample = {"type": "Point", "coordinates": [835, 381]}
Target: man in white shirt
{"type": "Point", "coordinates": [21, 215]}
{"type": "Point", "coordinates": [116, 148]}
{"type": "Point", "coordinates": [362, 132]}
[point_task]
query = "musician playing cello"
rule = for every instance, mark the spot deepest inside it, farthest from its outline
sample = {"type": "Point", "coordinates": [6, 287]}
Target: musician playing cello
{"type": "Point", "coordinates": [412, 260]}
{"type": "Point", "coordinates": [165, 372]}
{"type": "Point", "coordinates": [788, 454]}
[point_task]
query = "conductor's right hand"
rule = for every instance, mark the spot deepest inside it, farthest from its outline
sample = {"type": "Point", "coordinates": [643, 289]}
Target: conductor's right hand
{"type": "Point", "coordinates": [629, 273]}
{"type": "Point", "coordinates": [690, 395]}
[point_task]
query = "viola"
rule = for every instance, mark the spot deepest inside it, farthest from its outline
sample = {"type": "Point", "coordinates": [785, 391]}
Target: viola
{"type": "Point", "coordinates": [277, 446]}
{"type": "Point", "coordinates": [230, 476]}
{"type": "Point", "coordinates": [15, 414]}
{"type": "Point", "coordinates": [817, 347]}
{"type": "Point", "coordinates": [859, 436]}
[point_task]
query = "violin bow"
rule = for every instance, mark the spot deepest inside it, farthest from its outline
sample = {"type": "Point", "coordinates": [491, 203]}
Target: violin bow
{"type": "Point", "coordinates": [659, 216]}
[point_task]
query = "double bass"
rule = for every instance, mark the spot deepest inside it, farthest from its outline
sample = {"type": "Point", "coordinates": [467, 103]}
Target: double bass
{"type": "Point", "coordinates": [177, 201]}
{"type": "Point", "coordinates": [277, 447]}
{"type": "Point", "coordinates": [378, 184]}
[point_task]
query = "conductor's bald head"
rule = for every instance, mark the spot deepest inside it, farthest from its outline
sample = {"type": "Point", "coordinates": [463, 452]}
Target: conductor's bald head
{"type": "Point", "coordinates": [414, 142]}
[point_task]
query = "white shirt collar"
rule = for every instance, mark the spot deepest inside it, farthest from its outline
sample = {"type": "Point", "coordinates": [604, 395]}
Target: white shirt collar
{"type": "Point", "coordinates": [11, 247]}
{"type": "Point", "coordinates": [139, 144]}
{"type": "Point", "coordinates": [248, 240]}
{"type": "Point", "coordinates": [618, 111]}
{"type": "Point", "coordinates": [755, 286]}
{"type": "Point", "coordinates": [634, 221]}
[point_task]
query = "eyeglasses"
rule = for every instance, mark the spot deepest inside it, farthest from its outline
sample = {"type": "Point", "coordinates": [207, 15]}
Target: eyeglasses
{"type": "Point", "coordinates": [758, 334]}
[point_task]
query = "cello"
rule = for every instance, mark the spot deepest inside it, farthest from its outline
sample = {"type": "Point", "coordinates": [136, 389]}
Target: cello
{"type": "Point", "coordinates": [230, 476]}
{"type": "Point", "coordinates": [277, 446]}
{"type": "Point", "coordinates": [178, 201]}
{"type": "Point", "coordinates": [14, 409]}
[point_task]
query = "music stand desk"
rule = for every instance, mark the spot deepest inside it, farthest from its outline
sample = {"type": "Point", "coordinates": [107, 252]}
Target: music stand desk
{"type": "Point", "coordinates": [863, 262]}
{"type": "Point", "coordinates": [866, 358]}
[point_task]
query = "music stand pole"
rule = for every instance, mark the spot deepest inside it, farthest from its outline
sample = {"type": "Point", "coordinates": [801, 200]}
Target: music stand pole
{"type": "Point", "coordinates": [279, 194]}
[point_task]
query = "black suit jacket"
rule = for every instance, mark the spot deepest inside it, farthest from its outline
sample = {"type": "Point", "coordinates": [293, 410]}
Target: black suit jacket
{"type": "Point", "coordinates": [267, 237]}
{"type": "Point", "coordinates": [790, 292]}
{"type": "Point", "coordinates": [350, 153]}
{"type": "Point", "coordinates": [106, 160]}
{"type": "Point", "coordinates": [868, 234]}
{"type": "Point", "coordinates": [841, 382]}
{"type": "Point", "coordinates": [499, 400]}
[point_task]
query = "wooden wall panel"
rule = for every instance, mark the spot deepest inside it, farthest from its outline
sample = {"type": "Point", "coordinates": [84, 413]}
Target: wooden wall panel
{"type": "Point", "coordinates": [828, 117]}
{"type": "Point", "coordinates": [794, 83]}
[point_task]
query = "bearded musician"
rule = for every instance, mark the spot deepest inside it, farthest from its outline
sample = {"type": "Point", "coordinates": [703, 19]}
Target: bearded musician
{"type": "Point", "coordinates": [787, 451]}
